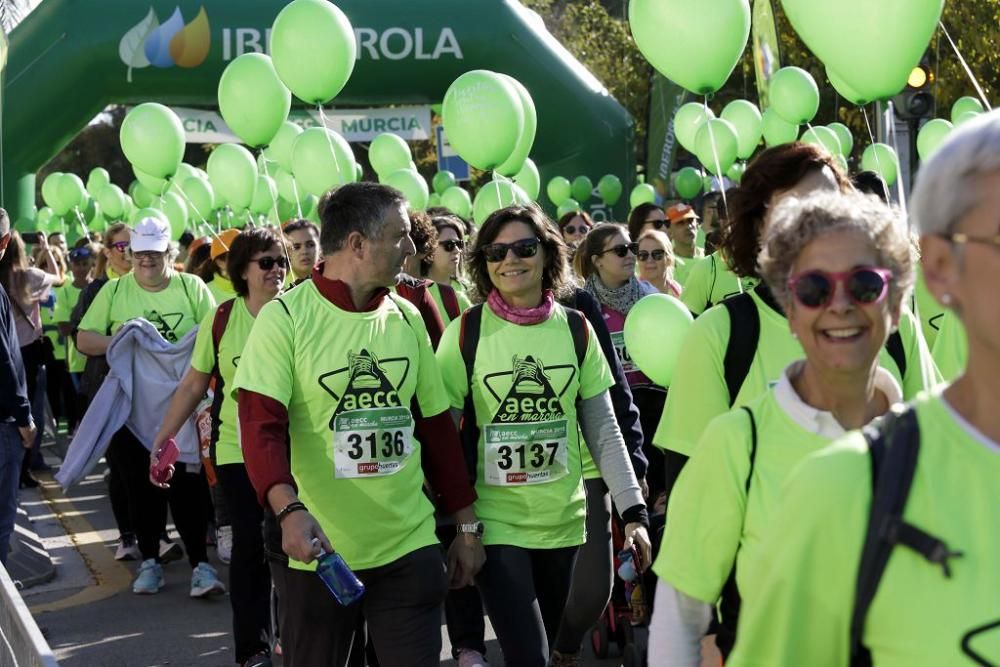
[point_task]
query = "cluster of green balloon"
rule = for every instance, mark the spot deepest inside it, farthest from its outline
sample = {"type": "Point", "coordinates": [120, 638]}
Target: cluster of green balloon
{"type": "Point", "coordinates": [886, 39]}
{"type": "Point", "coordinates": [654, 319]}
{"type": "Point", "coordinates": [882, 159]}
{"type": "Point", "coordinates": [73, 208]}
{"type": "Point", "coordinates": [498, 193]}
{"type": "Point", "coordinates": [965, 109]}
{"type": "Point", "coordinates": [688, 182]}
{"type": "Point", "coordinates": [698, 64]}
{"type": "Point", "coordinates": [610, 189]}
{"type": "Point", "coordinates": [934, 132]}
{"type": "Point", "coordinates": [392, 160]}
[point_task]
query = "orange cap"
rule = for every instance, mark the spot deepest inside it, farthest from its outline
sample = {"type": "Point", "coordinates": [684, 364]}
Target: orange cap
{"type": "Point", "coordinates": [679, 212]}
{"type": "Point", "coordinates": [197, 243]}
{"type": "Point", "coordinates": [221, 243]}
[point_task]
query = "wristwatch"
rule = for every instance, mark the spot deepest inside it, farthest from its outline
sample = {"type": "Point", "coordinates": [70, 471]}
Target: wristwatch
{"type": "Point", "coordinates": [475, 528]}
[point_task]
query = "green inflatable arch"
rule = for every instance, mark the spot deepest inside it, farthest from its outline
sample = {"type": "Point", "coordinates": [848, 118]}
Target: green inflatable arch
{"type": "Point", "coordinates": [69, 59]}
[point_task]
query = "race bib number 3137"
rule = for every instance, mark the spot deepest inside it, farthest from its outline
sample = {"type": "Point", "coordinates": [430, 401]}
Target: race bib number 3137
{"type": "Point", "coordinates": [372, 443]}
{"type": "Point", "coordinates": [525, 453]}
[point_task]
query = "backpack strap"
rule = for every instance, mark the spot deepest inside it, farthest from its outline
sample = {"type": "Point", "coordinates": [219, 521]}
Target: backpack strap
{"type": "Point", "coordinates": [468, 342]}
{"type": "Point", "coordinates": [893, 446]}
{"type": "Point", "coordinates": [894, 345]}
{"type": "Point", "coordinates": [711, 290]}
{"type": "Point", "coordinates": [219, 324]}
{"type": "Point", "coordinates": [580, 332]}
{"type": "Point", "coordinates": [744, 333]}
{"type": "Point", "coordinates": [449, 299]}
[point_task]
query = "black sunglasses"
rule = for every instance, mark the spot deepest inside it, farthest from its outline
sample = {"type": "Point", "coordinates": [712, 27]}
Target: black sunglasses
{"type": "Point", "coordinates": [657, 255]}
{"type": "Point", "coordinates": [497, 252]}
{"type": "Point", "coordinates": [659, 224]}
{"type": "Point", "coordinates": [581, 229]}
{"type": "Point", "coordinates": [452, 244]}
{"type": "Point", "coordinates": [78, 254]}
{"type": "Point", "coordinates": [864, 285]}
{"type": "Point", "coordinates": [267, 263]}
{"type": "Point", "coordinates": [623, 249]}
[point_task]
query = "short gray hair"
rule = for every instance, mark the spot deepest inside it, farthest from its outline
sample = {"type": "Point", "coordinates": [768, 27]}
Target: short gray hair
{"type": "Point", "coordinates": [795, 223]}
{"type": "Point", "coordinates": [945, 190]}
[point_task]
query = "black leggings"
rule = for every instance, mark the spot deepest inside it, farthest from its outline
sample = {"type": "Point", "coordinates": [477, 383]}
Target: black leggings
{"type": "Point", "coordinates": [593, 575]}
{"type": "Point", "coordinates": [525, 591]}
{"type": "Point", "coordinates": [147, 503]}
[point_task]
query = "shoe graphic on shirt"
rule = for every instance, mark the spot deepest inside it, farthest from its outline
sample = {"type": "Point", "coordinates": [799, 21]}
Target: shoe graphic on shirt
{"type": "Point", "coordinates": [530, 396]}
{"type": "Point", "coordinates": [529, 378]}
{"type": "Point", "coordinates": [365, 371]}
{"type": "Point", "coordinates": [366, 382]}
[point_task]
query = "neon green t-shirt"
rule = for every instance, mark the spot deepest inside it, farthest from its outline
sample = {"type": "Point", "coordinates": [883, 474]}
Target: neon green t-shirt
{"type": "Point", "coordinates": [227, 447]}
{"type": "Point", "coordinates": [525, 384]}
{"type": "Point", "coordinates": [461, 297]}
{"type": "Point", "coordinates": [698, 392]}
{"type": "Point", "coordinates": [928, 311]}
{"type": "Point", "coordinates": [347, 380]}
{"type": "Point", "coordinates": [683, 266]}
{"type": "Point", "coordinates": [710, 518]}
{"type": "Point", "coordinates": [951, 349]}
{"type": "Point", "coordinates": [221, 288]}
{"type": "Point", "coordinates": [51, 331]}
{"type": "Point", "coordinates": [67, 297]}
{"type": "Point", "coordinates": [709, 281]}
{"type": "Point", "coordinates": [918, 617]}
{"type": "Point", "coordinates": [174, 310]}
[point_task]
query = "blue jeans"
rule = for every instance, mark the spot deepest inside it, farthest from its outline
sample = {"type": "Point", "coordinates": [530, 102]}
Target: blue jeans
{"type": "Point", "coordinates": [11, 454]}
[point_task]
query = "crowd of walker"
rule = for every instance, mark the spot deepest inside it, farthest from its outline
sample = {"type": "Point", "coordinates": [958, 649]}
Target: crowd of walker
{"type": "Point", "coordinates": [453, 412]}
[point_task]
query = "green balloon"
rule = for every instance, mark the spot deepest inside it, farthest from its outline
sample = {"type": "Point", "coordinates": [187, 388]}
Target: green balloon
{"type": "Point", "coordinates": [112, 201]}
{"type": "Point", "coordinates": [559, 190]}
{"type": "Point", "coordinates": [287, 187]}
{"type": "Point", "coordinates": [442, 181]}
{"type": "Point", "coordinates": [688, 182]}
{"type": "Point", "coordinates": [748, 123]}
{"type": "Point", "coordinates": [177, 213]}
{"type": "Point", "coordinates": [844, 89]}
{"type": "Point", "coordinates": [881, 158]}
{"type": "Point", "coordinates": [50, 186]}
{"type": "Point", "coordinates": [252, 99]}
{"type": "Point", "coordinates": [152, 183]}
{"type": "Point", "coordinates": [458, 201]}
{"type": "Point", "coordinates": [314, 49]}
{"type": "Point", "coordinates": [610, 188]}
{"type": "Point", "coordinates": [99, 223]}
{"type": "Point", "coordinates": [794, 95]}
{"type": "Point", "coordinates": [569, 206]}
{"type": "Point", "coordinates": [931, 135]}
{"type": "Point", "coordinates": [148, 212]}
{"type": "Point", "coordinates": [184, 172]}
{"type": "Point", "coordinates": [97, 179]}
{"type": "Point", "coordinates": [964, 105]}
{"type": "Point", "coordinates": [735, 172]}
{"type": "Point", "coordinates": [152, 139]}
{"type": "Point", "coordinates": [654, 319]}
{"type": "Point", "coordinates": [777, 130]}
{"type": "Point", "coordinates": [433, 200]}
{"type": "Point", "coordinates": [483, 117]}
{"type": "Point", "coordinates": [71, 193]}
{"type": "Point", "coordinates": [233, 174]}
{"type": "Point", "coordinates": [872, 46]}
{"type": "Point", "coordinates": [824, 137]}
{"type": "Point", "coordinates": [90, 209]}
{"type": "Point", "coordinates": [322, 159]}
{"type": "Point", "coordinates": [845, 136]}
{"type": "Point", "coordinates": [716, 145]}
{"type": "Point", "coordinates": [688, 119]}
{"type": "Point", "coordinates": [642, 194]}
{"type": "Point", "coordinates": [670, 34]}
{"type": "Point", "coordinates": [264, 195]}
{"type": "Point", "coordinates": [388, 153]}
{"type": "Point", "coordinates": [43, 217]}
{"type": "Point", "coordinates": [495, 195]}
{"type": "Point", "coordinates": [412, 185]}
{"type": "Point", "coordinates": [512, 165]}
{"type": "Point", "coordinates": [581, 189]}
{"type": "Point", "coordinates": [199, 197]}
{"type": "Point", "coordinates": [359, 172]}
{"type": "Point", "coordinates": [287, 210]}
{"type": "Point", "coordinates": [965, 117]}
{"type": "Point", "coordinates": [279, 150]}
{"type": "Point", "coordinates": [141, 194]}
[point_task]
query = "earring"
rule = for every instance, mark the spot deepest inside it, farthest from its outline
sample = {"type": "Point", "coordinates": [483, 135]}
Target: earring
{"type": "Point", "coordinates": [946, 299]}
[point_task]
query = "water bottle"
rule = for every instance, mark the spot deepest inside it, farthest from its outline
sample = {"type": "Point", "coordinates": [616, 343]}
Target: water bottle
{"type": "Point", "coordinates": [626, 565]}
{"type": "Point", "coordinates": [338, 577]}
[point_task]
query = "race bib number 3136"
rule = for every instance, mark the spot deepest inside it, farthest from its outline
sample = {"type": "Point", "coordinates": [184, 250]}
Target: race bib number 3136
{"type": "Point", "coordinates": [525, 453]}
{"type": "Point", "coordinates": [372, 443]}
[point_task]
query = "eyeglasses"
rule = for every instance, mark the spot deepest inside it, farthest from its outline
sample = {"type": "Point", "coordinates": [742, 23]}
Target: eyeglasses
{"type": "Point", "coordinates": [864, 286]}
{"type": "Point", "coordinates": [960, 238]}
{"type": "Point", "coordinates": [120, 246]}
{"type": "Point", "coordinates": [658, 224]}
{"type": "Point", "coordinates": [78, 254]}
{"type": "Point", "coordinates": [622, 249]}
{"type": "Point", "coordinates": [267, 263]}
{"type": "Point", "coordinates": [453, 244]}
{"type": "Point", "coordinates": [571, 229]}
{"type": "Point", "coordinates": [657, 255]}
{"type": "Point", "coordinates": [148, 254]}
{"type": "Point", "coordinates": [497, 252]}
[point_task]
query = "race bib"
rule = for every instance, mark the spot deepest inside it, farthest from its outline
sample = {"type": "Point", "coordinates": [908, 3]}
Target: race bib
{"type": "Point", "coordinates": [618, 340]}
{"type": "Point", "coordinates": [372, 443]}
{"type": "Point", "coordinates": [525, 453]}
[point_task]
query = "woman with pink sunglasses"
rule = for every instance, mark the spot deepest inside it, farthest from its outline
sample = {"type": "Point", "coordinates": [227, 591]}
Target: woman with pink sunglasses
{"type": "Point", "coordinates": [840, 266]}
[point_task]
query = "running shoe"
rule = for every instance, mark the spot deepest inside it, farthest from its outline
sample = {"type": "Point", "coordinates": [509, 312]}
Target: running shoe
{"type": "Point", "coordinates": [261, 659]}
{"type": "Point", "coordinates": [224, 543]}
{"type": "Point", "coordinates": [205, 581]}
{"type": "Point", "coordinates": [149, 580]}
{"type": "Point", "coordinates": [128, 549]}
{"type": "Point", "coordinates": [468, 657]}
{"type": "Point", "coordinates": [565, 659]}
{"type": "Point", "coordinates": [169, 550]}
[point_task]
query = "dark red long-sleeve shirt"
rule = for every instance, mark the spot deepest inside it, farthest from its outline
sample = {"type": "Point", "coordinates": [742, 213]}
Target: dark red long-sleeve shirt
{"type": "Point", "coordinates": [267, 455]}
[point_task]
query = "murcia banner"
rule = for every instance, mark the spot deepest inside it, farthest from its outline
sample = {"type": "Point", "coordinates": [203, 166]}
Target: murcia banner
{"type": "Point", "coordinates": [412, 123]}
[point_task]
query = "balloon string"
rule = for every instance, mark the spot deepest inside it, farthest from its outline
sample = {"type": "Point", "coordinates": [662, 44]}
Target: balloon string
{"type": "Point", "coordinates": [277, 216]}
{"type": "Point", "coordinates": [274, 195]}
{"type": "Point", "coordinates": [79, 216]}
{"type": "Point", "coordinates": [298, 204]}
{"type": "Point", "coordinates": [878, 163]}
{"type": "Point", "coordinates": [891, 124]}
{"type": "Point", "coordinates": [965, 65]}
{"type": "Point", "coordinates": [329, 141]}
{"type": "Point", "coordinates": [195, 209]}
{"type": "Point", "coordinates": [715, 154]}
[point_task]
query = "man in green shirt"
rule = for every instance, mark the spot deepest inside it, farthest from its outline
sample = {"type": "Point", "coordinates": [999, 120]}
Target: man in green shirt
{"type": "Point", "coordinates": [683, 232]}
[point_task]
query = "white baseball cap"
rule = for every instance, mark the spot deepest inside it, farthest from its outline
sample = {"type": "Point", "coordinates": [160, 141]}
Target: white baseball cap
{"type": "Point", "coordinates": [150, 233]}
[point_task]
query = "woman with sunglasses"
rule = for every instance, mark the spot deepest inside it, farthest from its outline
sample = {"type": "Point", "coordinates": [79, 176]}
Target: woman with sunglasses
{"type": "Point", "coordinates": [656, 263]}
{"type": "Point", "coordinates": [840, 266]}
{"type": "Point", "coordinates": [529, 399]}
{"type": "Point", "coordinates": [444, 264]}
{"type": "Point", "coordinates": [575, 226]}
{"type": "Point", "coordinates": [934, 600]}
{"type": "Point", "coordinates": [645, 217]}
{"type": "Point", "coordinates": [257, 265]}
{"type": "Point", "coordinates": [722, 363]}
{"type": "Point", "coordinates": [174, 303]}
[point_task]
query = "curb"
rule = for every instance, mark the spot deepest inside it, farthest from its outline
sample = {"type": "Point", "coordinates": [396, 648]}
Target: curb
{"type": "Point", "coordinates": [29, 564]}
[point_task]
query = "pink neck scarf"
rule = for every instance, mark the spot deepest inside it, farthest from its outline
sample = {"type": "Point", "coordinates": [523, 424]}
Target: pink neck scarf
{"type": "Point", "coordinates": [525, 316]}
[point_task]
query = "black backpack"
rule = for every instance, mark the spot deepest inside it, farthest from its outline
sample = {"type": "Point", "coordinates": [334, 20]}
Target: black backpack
{"type": "Point", "coordinates": [468, 343]}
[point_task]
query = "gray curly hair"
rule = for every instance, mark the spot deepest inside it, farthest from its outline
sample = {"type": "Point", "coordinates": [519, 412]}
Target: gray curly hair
{"type": "Point", "coordinates": [795, 223]}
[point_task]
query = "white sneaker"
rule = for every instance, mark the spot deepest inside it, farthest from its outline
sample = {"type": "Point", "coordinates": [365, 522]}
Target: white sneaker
{"type": "Point", "coordinates": [170, 551]}
{"type": "Point", "coordinates": [128, 549]}
{"type": "Point", "coordinates": [470, 658]}
{"type": "Point", "coordinates": [205, 581]}
{"type": "Point", "coordinates": [224, 543]}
